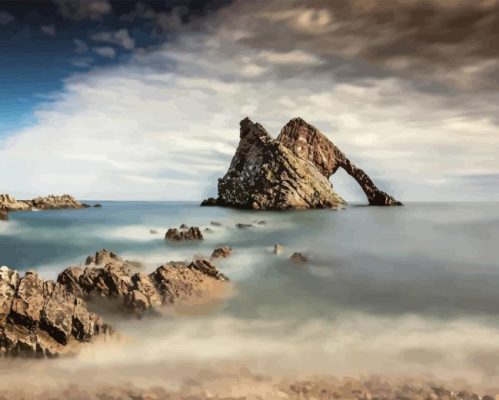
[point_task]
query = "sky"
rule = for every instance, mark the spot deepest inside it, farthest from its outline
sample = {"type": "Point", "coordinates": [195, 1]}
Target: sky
{"type": "Point", "coordinates": [141, 100]}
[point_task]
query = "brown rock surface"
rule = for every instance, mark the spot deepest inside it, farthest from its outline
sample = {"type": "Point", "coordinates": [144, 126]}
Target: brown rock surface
{"type": "Point", "coordinates": [178, 235]}
{"type": "Point", "coordinates": [309, 143]}
{"type": "Point", "coordinates": [221, 252]}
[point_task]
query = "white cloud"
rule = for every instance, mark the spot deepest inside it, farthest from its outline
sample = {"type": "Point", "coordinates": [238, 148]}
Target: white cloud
{"type": "Point", "coordinates": [106, 52]}
{"type": "Point", "coordinates": [118, 38]}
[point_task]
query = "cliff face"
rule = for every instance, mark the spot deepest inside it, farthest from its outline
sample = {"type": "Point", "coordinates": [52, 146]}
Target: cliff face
{"type": "Point", "coordinates": [264, 174]}
{"type": "Point", "coordinates": [309, 143]}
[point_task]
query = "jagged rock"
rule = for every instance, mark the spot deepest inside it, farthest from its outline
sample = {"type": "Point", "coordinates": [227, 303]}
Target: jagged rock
{"type": "Point", "coordinates": [192, 233]}
{"type": "Point", "coordinates": [299, 258]}
{"type": "Point", "coordinates": [42, 318]}
{"type": "Point", "coordinates": [309, 143]}
{"type": "Point", "coordinates": [9, 203]}
{"type": "Point", "coordinates": [243, 226]}
{"type": "Point", "coordinates": [210, 201]}
{"type": "Point", "coordinates": [139, 292]}
{"type": "Point", "coordinates": [266, 175]}
{"type": "Point", "coordinates": [221, 252]}
{"type": "Point", "coordinates": [278, 249]}
{"type": "Point", "coordinates": [184, 226]}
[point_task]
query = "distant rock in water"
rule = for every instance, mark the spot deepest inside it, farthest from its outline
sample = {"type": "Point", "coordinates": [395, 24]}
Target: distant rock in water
{"type": "Point", "coordinates": [265, 175]}
{"type": "Point", "coordinates": [308, 142]}
{"type": "Point", "coordinates": [42, 318]}
{"type": "Point", "coordinates": [176, 235]}
{"type": "Point", "coordinates": [98, 205]}
{"type": "Point", "coordinates": [292, 171]}
{"type": "Point", "coordinates": [222, 252]}
{"type": "Point", "coordinates": [299, 258]}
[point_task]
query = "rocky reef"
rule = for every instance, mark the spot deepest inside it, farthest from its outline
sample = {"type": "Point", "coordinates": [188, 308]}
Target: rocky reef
{"type": "Point", "coordinates": [9, 203]}
{"type": "Point", "coordinates": [41, 318]}
{"type": "Point", "coordinates": [290, 172]}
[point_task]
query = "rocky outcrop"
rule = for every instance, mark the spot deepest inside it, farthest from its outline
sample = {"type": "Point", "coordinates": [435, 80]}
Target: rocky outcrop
{"type": "Point", "coordinates": [299, 258]}
{"type": "Point", "coordinates": [266, 175]}
{"type": "Point", "coordinates": [42, 318]}
{"type": "Point", "coordinates": [182, 234]}
{"type": "Point", "coordinates": [309, 143]}
{"type": "Point", "coordinates": [221, 252]}
{"type": "Point", "coordinates": [9, 203]}
{"type": "Point", "coordinates": [109, 277]}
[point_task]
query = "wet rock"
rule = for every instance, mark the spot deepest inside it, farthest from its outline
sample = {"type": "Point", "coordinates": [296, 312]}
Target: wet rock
{"type": "Point", "coordinates": [243, 226]}
{"type": "Point", "coordinates": [210, 201]}
{"type": "Point", "coordinates": [4, 216]}
{"type": "Point", "coordinates": [221, 252]}
{"type": "Point", "coordinates": [98, 205]}
{"type": "Point", "coordinates": [278, 249]}
{"type": "Point", "coordinates": [309, 143]}
{"type": "Point", "coordinates": [215, 223]}
{"type": "Point", "coordinates": [299, 258]}
{"type": "Point", "coordinates": [207, 230]}
{"type": "Point", "coordinates": [184, 226]}
{"type": "Point", "coordinates": [266, 175]}
{"type": "Point", "coordinates": [153, 231]}
{"type": "Point", "coordinates": [262, 222]}
{"type": "Point", "coordinates": [192, 233]}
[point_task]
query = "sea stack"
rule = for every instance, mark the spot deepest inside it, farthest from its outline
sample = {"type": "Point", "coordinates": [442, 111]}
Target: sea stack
{"type": "Point", "coordinates": [290, 172]}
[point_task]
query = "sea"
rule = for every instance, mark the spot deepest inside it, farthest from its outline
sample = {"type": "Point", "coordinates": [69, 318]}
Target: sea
{"type": "Point", "coordinates": [410, 290]}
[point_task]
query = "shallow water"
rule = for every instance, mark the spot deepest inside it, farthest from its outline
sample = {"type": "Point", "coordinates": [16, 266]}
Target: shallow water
{"type": "Point", "coordinates": [408, 290]}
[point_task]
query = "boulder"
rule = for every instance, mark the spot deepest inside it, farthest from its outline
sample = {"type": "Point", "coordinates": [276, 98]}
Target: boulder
{"type": "Point", "coordinates": [299, 258]}
{"type": "Point", "coordinates": [266, 175]}
{"type": "Point", "coordinates": [309, 143]}
{"type": "Point", "coordinates": [243, 226]}
{"type": "Point", "coordinates": [192, 233]}
{"type": "Point", "coordinates": [221, 252]}
{"type": "Point", "coordinates": [98, 205]}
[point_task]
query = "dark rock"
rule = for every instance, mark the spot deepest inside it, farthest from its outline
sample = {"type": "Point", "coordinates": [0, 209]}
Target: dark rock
{"type": "Point", "coordinates": [184, 226]}
{"type": "Point", "coordinates": [243, 226]}
{"type": "Point", "coordinates": [261, 222]}
{"type": "Point", "coordinates": [210, 201]}
{"type": "Point", "coordinates": [215, 223]}
{"type": "Point", "coordinates": [153, 231]}
{"type": "Point", "coordinates": [299, 258]}
{"type": "Point", "coordinates": [221, 252]}
{"type": "Point", "coordinates": [309, 143]}
{"type": "Point", "coordinates": [192, 233]}
{"type": "Point", "coordinates": [98, 205]}
{"type": "Point", "coordinates": [266, 175]}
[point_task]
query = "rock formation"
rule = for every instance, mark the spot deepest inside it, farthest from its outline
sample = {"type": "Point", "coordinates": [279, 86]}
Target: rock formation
{"type": "Point", "coordinates": [298, 258]}
{"type": "Point", "coordinates": [42, 318]}
{"type": "Point", "coordinates": [221, 252]}
{"type": "Point", "coordinates": [108, 276]}
{"type": "Point", "coordinates": [308, 142]}
{"type": "Point", "coordinates": [9, 203]}
{"type": "Point", "coordinates": [176, 235]}
{"type": "Point", "coordinates": [290, 172]}
{"type": "Point", "coordinates": [266, 175]}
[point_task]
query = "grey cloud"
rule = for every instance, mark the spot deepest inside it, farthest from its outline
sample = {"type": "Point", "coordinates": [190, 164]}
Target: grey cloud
{"type": "Point", "coordinates": [81, 46]}
{"type": "Point", "coordinates": [118, 38]}
{"type": "Point", "coordinates": [106, 52]}
{"type": "Point", "coordinates": [79, 10]}
{"type": "Point", "coordinates": [5, 18]}
{"type": "Point", "coordinates": [48, 29]}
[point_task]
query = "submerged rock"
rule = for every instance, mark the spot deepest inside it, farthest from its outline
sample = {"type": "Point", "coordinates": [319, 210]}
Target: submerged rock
{"type": "Point", "coordinates": [221, 252]}
{"type": "Point", "coordinates": [98, 205]}
{"type": "Point", "coordinates": [309, 143]}
{"type": "Point", "coordinates": [42, 318]}
{"type": "Point", "coordinates": [192, 233]}
{"type": "Point", "coordinates": [298, 257]}
{"type": "Point", "coordinates": [243, 226]}
{"type": "Point", "coordinates": [215, 223]}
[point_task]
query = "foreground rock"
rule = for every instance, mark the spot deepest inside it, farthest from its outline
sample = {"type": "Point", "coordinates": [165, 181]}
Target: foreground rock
{"type": "Point", "coordinates": [108, 276]}
{"type": "Point", "coordinates": [176, 235]}
{"type": "Point", "coordinates": [42, 318]}
{"type": "Point", "coordinates": [266, 175]}
{"type": "Point", "coordinates": [290, 172]}
{"type": "Point", "coordinates": [309, 143]}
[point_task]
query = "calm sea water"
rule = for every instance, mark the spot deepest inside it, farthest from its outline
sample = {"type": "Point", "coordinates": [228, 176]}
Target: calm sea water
{"type": "Point", "coordinates": [413, 288]}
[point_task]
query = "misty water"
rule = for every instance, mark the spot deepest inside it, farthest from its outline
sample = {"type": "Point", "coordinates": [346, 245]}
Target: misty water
{"type": "Point", "coordinates": [406, 290]}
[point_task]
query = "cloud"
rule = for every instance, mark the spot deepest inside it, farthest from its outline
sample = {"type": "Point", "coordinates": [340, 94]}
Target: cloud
{"type": "Point", "coordinates": [79, 10]}
{"type": "Point", "coordinates": [118, 38]}
{"type": "Point", "coordinates": [80, 46]}
{"type": "Point", "coordinates": [5, 18]}
{"type": "Point", "coordinates": [171, 114]}
{"type": "Point", "coordinates": [48, 29]}
{"type": "Point", "coordinates": [106, 52]}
